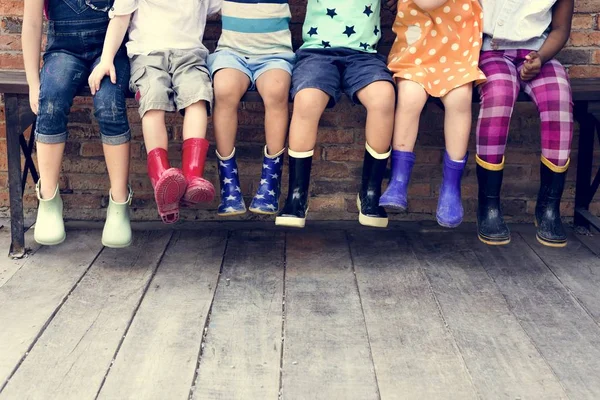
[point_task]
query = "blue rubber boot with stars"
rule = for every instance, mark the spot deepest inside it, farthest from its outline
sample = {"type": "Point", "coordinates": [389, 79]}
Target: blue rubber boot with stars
{"type": "Point", "coordinates": [232, 202]}
{"type": "Point", "coordinates": [266, 200]}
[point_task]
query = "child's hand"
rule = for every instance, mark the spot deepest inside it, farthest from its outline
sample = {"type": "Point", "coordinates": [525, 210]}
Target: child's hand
{"type": "Point", "coordinates": [531, 67]}
{"type": "Point", "coordinates": [34, 98]}
{"type": "Point", "coordinates": [103, 69]}
{"type": "Point", "coordinates": [391, 5]}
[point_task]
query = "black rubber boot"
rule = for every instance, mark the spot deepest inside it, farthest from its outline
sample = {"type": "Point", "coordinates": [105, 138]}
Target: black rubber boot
{"type": "Point", "coordinates": [550, 230]}
{"type": "Point", "coordinates": [491, 227]}
{"type": "Point", "coordinates": [293, 213]}
{"type": "Point", "coordinates": [370, 212]}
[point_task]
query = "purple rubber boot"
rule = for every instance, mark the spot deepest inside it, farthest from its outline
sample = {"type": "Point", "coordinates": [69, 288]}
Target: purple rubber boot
{"type": "Point", "coordinates": [396, 195]}
{"type": "Point", "coordinates": [450, 210]}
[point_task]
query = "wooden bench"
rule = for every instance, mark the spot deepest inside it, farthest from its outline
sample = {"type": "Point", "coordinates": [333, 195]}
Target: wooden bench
{"type": "Point", "coordinates": [586, 95]}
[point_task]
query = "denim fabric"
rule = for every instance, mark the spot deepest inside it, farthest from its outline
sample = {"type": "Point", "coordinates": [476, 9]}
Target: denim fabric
{"type": "Point", "coordinates": [75, 38]}
{"type": "Point", "coordinates": [337, 71]}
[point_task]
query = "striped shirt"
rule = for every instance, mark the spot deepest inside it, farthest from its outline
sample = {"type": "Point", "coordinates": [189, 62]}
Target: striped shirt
{"type": "Point", "coordinates": [256, 27]}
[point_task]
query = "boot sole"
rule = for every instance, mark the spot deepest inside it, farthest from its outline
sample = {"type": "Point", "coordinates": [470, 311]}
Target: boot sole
{"type": "Point", "coordinates": [493, 242]}
{"type": "Point", "coordinates": [365, 220]}
{"type": "Point", "coordinates": [548, 243]}
{"type": "Point", "coordinates": [168, 192]}
{"type": "Point", "coordinates": [447, 225]}
{"type": "Point", "coordinates": [44, 243]}
{"type": "Point", "coordinates": [394, 208]}
{"type": "Point", "coordinates": [118, 246]}
{"type": "Point", "coordinates": [260, 212]}
{"type": "Point", "coordinates": [291, 222]}
{"type": "Point", "coordinates": [232, 214]}
{"type": "Point", "coordinates": [202, 192]}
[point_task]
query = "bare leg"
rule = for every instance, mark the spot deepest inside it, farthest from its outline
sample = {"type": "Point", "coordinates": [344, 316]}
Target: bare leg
{"type": "Point", "coordinates": [117, 162]}
{"type": "Point", "coordinates": [274, 88]}
{"type": "Point", "coordinates": [378, 98]}
{"type": "Point", "coordinates": [411, 100]}
{"type": "Point", "coordinates": [457, 122]}
{"type": "Point", "coordinates": [229, 85]}
{"type": "Point", "coordinates": [155, 131]}
{"type": "Point", "coordinates": [49, 162]}
{"type": "Point", "coordinates": [309, 105]}
{"type": "Point", "coordinates": [195, 121]}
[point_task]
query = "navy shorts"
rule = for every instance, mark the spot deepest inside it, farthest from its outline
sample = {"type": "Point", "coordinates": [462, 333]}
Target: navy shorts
{"type": "Point", "coordinates": [337, 71]}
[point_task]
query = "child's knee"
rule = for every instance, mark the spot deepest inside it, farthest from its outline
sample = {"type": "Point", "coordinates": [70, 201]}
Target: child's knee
{"type": "Point", "coordinates": [276, 94]}
{"type": "Point", "coordinates": [499, 93]}
{"type": "Point", "coordinates": [227, 92]}
{"type": "Point", "coordinates": [306, 105]}
{"type": "Point", "coordinates": [382, 100]}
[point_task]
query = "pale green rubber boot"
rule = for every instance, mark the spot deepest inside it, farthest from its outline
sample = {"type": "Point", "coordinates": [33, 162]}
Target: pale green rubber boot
{"type": "Point", "coordinates": [49, 227]}
{"type": "Point", "coordinates": [117, 228]}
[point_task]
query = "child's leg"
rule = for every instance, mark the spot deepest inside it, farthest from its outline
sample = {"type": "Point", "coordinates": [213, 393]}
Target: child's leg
{"type": "Point", "coordinates": [61, 76]}
{"type": "Point", "coordinates": [229, 87]}
{"type": "Point", "coordinates": [411, 100]}
{"type": "Point", "coordinates": [274, 88]}
{"type": "Point", "coordinates": [194, 94]}
{"type": "Point", "coordinates": [379, 100]}
{"type": "Point", "coordinates": [457, 121]}
{"type": "Point", "coordinates": [110, 110]}
{"type": "Point", "coordinates": [309, 105]}
{"type": "Point", "coordinates": [457, 127]}
{"type": "Point", "coordinates": [498, 95]}
{"type": "Point", "coordinates": [152, 83]}
{"type": "Point", "coordinates": [551, 92]}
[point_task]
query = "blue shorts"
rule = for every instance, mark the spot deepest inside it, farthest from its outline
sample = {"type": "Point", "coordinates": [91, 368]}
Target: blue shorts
{"type": "Point", "coordinates": [337, 71]}
{"type": "Point", "coordinates": [254, 67]}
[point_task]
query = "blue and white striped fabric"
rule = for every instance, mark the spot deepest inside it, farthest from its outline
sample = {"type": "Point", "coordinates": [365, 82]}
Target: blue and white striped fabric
{"type": "Point", "coordinates": [256, 27]}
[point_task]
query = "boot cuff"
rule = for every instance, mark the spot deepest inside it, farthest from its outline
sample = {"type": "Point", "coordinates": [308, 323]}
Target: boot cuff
{"type": "Point", "coordinates": [556, 168]}
{"type": "Point", "coordinates": [278, 154]}
{"type": "Point", "coordinates": [229, 157]}
{"type": "Point", "coordinates": [301, 154]}
{"type": "Point", "coordinates": [458, 165]}
{"type": "Point", "coordinates": [195, 142]}
{"type": "Point", "coordinates": [489, 166]}
{"type": "Point", "coordinates": [377, 155]}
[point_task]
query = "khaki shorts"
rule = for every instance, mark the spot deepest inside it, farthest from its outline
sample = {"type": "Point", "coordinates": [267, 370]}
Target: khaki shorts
{"type": "Point", "coordinates": [171, 80]}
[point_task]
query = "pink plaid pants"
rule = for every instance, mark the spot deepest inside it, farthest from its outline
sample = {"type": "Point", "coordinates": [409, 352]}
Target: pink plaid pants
{"type": "Point", "coordinates": [550, 91]}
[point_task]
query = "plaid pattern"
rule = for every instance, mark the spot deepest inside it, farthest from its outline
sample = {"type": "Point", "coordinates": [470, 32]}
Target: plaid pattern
{"type": "Point", "coordinates": [550, 91]}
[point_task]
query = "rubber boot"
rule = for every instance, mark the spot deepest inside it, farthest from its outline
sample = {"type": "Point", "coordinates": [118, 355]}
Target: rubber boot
{"type": "Point", "coordinates": [266, 200]}
{"type": "Point", "coordinates": [232, 202]}
{"type": "Point", "coordinates": [550, 230]}
{"type": "Point", "coordinates": [49, 227]}
{"type": "Point", "coordinates": [169, 185]}
{"type": "Point", "coordinates": [117, 228]}
{"type": "Point", "coordinates": [295, 209]}
{"type": "Point", "coordinates": [450, 210]}
{"type": "Point", "coordinates": [396, 194]}
{"type": "Point", "coordinates": [491, 227]}
{"type": "Point", "coordinates": [193, 159]}
{"type": "Point", "coordinates": [370, 212]}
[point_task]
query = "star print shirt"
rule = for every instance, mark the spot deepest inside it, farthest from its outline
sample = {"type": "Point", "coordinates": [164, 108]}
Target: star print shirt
{"type": "Point", "coordinates": [350, 24]}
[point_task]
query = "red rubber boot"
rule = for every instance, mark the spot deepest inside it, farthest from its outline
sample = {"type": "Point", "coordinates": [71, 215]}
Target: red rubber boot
{"type": "Point", "coordinates": [169, 185]}
{"type": "Point", "coordinates": [199, 190]}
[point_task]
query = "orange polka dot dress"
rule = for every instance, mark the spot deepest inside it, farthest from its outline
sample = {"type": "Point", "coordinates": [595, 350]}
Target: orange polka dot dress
{"type": "Point", "coordinates": [438, 49]}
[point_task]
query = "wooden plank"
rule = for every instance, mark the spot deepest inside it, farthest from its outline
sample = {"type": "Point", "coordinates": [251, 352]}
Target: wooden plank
{"type": "Point", "coordinates": [563, 332]}
{"type": "Point", "coordinates": [71, 358]}
{"type": "Point", "coordinates": [326, 348]}
{"type": "Point", "coordinates": [159, 355]}
{"type": "Point", "coordinates": [415, 356]}
{"type": "Point", "coordinates": [577, 268]}
{"type": "Point", "coordinates": [8, 265]}
{"type": "Point", "coordinates": [32, 296]}
{"type": "Point", "coordinates": [242, 350]}
{"type": "Point", "coordinates": [500, 357]}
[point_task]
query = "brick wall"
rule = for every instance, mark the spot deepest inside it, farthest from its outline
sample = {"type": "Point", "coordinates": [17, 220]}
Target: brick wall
{"type": "Point", "coordinates": [84, 183]}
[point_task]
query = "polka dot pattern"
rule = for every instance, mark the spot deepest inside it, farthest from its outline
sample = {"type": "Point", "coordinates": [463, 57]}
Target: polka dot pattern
{"type": "Point", "coordinates": [444, 54]}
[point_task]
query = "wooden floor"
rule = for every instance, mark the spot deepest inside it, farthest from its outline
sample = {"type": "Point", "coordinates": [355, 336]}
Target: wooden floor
{"type": "Point", "coordinates": [326, 313]}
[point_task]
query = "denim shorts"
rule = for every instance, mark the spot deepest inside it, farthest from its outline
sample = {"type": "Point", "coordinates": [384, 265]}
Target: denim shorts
{"type": "Point", "coordinates": [254, 67]}
{"type": "Point", "coordinates": [75, 38]}
{"type": "Point", "coordinates": [337, 71]}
